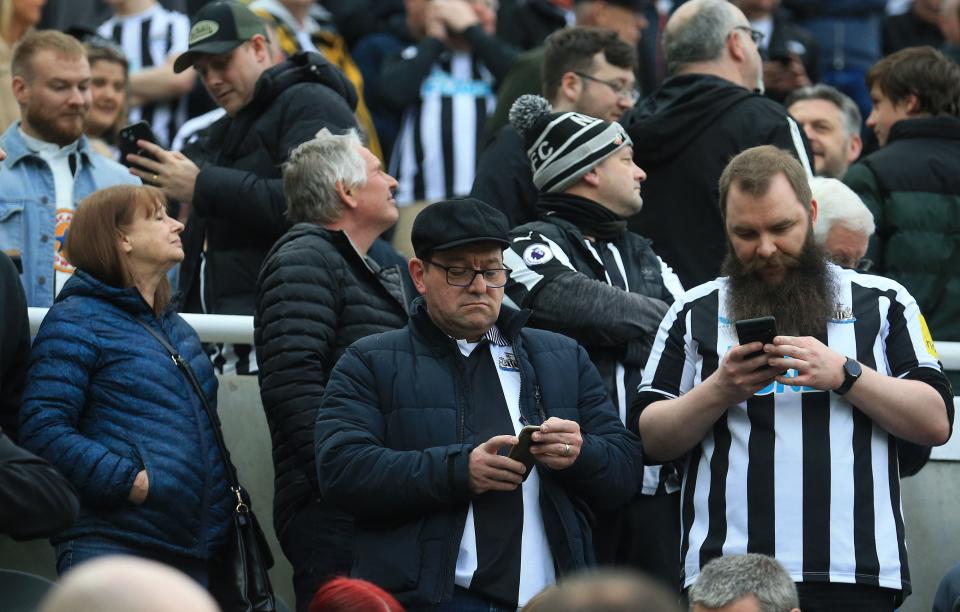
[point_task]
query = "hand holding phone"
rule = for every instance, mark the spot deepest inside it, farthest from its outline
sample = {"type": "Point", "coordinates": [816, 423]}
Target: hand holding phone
{"type": "Point", "coordinates": [521, 452]}
{"type": "Point", "coordinates": [129, 135]}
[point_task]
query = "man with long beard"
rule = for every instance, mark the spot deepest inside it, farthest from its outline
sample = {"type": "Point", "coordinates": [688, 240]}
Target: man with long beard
{"type": "Point", "coordinates": [790, 452]}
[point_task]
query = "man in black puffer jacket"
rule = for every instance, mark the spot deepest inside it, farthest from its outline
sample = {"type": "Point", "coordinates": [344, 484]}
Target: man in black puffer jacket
{"type": "Point", "coordinates": [234, 188]}
{"type": "Point", "coordinates": [412, 420]}
{"type": "Point", "coordinates": [318, 292]}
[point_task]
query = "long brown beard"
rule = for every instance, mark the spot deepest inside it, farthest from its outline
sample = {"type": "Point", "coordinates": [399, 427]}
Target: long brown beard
{"type": "Point", "coordinates": [802, 302]}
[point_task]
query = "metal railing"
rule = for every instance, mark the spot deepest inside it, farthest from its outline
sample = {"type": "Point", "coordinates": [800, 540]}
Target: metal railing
{"type": "Point", "coordinates": [239, 329]}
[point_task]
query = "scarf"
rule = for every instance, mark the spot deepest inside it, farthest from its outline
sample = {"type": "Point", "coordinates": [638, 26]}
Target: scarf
{"type": "Point", "coordinates": [591, 218]}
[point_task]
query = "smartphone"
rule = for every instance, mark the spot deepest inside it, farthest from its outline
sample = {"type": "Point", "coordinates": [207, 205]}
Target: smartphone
{"type": "Point", "coordinates": [521, 452]}
{"type": "Point", "coordinates": [761, 329]}
{"type": "Point", "coordinates": [129, 135]}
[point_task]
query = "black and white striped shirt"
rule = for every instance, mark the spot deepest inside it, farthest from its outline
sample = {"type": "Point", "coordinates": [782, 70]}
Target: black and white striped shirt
{"type": "Point", "coordinates": [435, 156]}
{"type": "Point", "coordinates": [793, 472]}
{"type": "Point", "coordinates": [148, 39]}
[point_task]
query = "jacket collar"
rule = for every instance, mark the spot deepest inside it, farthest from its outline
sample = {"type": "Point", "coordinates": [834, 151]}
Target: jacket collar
{"type": "Point", "coordinates": [510, 323]}
{"type": "Point", "coordinates": [17, 148]}
{"type": "Point", "coordinates": [926, 127]}
{"type": "Point", "coordinates": [127, 299]}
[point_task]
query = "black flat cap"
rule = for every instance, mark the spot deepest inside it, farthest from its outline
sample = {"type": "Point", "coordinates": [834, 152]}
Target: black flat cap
{"type": "Point", "coordinates": [458, 222]}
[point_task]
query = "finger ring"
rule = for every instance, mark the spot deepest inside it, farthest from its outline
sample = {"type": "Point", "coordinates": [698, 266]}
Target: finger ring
{"type": "Point", "coordinates": [566, 450]}
{"type": "Point", "coordinates": [156, 178]}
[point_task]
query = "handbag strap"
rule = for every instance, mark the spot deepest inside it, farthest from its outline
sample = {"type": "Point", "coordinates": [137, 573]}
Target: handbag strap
{"type": "Point", "coordinates": [181, 363]}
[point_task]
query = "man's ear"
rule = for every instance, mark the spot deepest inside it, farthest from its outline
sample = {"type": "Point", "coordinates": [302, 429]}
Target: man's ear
{"type": "Point", "coordinates": [570, 86]}
{"type": "Point", "coordinates": [346, 196]}
{"type": "Point", "coordinates": [813, 211]}
{"type": "Point", "coordinates": [592, 178]}
{"type": "Point", "coordinates": [415, 266]}
{"type": "Point", "coordinates": [19, 85]}
{"type": "Point", "coordinates": [261, 49]}
{"type": "Point", "coordinates": [854, 148]}
{"type": "Point", "coordinates": [913, 104]}
{"type": "Point", "coordinates": [735, 46]}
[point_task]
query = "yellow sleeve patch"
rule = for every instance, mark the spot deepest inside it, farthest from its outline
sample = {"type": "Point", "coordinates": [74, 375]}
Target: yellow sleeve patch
{"type": "Point", "coordinates": [927, 339]}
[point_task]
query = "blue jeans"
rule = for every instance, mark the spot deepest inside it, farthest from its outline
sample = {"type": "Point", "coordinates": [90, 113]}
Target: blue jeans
{"type": "Point", "coordinates": [74, 552]}
{"type": "Point", "coordinates": [463, 601]}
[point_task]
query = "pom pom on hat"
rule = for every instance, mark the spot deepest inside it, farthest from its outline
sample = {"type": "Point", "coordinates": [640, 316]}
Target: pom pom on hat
{"type": "Point", "coordinates": [527, 111]}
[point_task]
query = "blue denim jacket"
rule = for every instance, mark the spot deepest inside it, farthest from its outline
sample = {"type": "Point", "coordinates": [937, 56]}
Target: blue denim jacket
{"type": "Point", "coordinates": [28, 204]}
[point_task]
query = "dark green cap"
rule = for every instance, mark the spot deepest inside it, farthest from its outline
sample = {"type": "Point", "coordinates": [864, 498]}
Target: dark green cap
{"type": "Point", "coordinates": [217, 28]}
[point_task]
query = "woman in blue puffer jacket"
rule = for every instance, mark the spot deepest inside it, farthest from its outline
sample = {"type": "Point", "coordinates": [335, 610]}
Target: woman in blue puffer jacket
{"type": "Point", "coordinates": [108, 407]}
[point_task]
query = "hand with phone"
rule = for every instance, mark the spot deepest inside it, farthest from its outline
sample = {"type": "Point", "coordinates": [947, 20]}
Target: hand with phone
{"type": "Point", "coordinates": [490, 471]}
{"type": "Point", "coordinates": [745, 369]}
{"type": "Point", "coordinates": [817, 365]}
{"type": "Point", "coordinates": [172, 171]}
{"type": "Point", "coordinates": [557, 444]}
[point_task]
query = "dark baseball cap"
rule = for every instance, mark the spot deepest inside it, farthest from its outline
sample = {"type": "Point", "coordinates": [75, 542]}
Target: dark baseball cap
{"type": "Point", "coordinates": [458, 222]}
{"type": "Point", "coordinates": [217, 28]}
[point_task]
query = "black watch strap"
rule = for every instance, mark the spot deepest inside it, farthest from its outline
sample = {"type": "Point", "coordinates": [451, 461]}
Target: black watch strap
{"type": "Point", "coordinates": [851, 374]}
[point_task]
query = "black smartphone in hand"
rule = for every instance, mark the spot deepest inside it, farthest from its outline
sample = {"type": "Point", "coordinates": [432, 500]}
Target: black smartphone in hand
{"type": "Point", "coordinates": [521, 452]}
{"type": "Point", "coordinates": [761, 329]}
{"type": "Point", "coordinates": [129, 135]}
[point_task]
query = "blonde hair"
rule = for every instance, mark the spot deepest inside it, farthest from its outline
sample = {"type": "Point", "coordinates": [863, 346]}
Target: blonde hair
{"type": "Point", "coordinates": [42, 40]}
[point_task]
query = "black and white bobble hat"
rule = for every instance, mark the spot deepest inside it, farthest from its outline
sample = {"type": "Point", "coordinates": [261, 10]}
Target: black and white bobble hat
{"type": "Point", "coordinates": [563, 147]}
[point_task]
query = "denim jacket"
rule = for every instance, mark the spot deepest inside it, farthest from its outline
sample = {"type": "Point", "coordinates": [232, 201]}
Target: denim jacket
{"type": "Point", "coordinates": [28, 204]}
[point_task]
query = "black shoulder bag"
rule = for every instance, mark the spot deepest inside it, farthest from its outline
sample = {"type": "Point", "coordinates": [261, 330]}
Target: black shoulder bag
{"type": "Point", "coordinates": [238, 575]}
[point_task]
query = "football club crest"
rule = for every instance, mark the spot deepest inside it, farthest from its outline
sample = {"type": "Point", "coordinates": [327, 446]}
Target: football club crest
{"type": "Point", "coordinates": [508, 362]}
{"type": "Point", "coordinates": [537, 254]}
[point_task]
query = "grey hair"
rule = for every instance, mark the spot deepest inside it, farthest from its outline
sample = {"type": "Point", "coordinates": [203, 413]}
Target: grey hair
{"type": "Point", "coordinates": [848, 108]}
{"type": "Point", "coordinates": [311, 175]}
{"type": "Point", "coordinates": [727, 579]}
{"type": "Point", "coordinates": [838, 204]}
{"type": "Point", "coordinates": [699, 36]}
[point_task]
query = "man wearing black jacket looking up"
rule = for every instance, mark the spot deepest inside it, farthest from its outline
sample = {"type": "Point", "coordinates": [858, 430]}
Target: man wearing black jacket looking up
{"type": "Point", "coordinates": [707, 111]}
{"type": "Point", "coordinates": [319, 291]}
{"type": "Point", "coordinates": [583, 274]}
{"type": "Point", "coordinates": [236, 190]}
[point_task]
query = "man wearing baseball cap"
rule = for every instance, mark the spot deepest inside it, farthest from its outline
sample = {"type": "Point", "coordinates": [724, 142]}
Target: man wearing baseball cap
{"type": "Point", "coordinates": [232, 188]}
{"type": "Point", "coordinates": [583, 274]}
{"type": "Point", "coordinates": [415, 425]}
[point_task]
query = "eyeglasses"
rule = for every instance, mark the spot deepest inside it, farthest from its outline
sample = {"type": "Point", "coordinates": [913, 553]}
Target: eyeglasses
{"type": "Point", "coordinates": [621, 89]}
{"type": "Point", "coordinates": [756, 35]}
{"type": "Point", "coordinates": [463, 277]}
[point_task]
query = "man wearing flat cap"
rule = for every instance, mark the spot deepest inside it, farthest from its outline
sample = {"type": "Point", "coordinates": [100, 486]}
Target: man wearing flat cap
{"type": "Point", "coordinates": [415, 425]}
{"type": "Point", "coordinates": [233, 186]}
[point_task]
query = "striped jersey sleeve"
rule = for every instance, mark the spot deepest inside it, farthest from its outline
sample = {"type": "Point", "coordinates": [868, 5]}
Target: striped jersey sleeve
{"type": "Point", "coordinates": [533, 260]}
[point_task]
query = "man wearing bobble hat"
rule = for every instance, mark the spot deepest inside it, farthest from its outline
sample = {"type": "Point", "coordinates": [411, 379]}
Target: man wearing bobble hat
{"type": "Point", "coordinates": [583, 274]}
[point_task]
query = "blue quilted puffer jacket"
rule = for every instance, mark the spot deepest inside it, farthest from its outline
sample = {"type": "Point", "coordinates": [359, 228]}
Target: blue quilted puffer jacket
{"type": "Point", "coordinates": [104, 400]}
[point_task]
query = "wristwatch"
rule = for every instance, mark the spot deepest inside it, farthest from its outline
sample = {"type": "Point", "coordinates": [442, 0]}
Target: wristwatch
{"type": "Point", "coordinates": [851, 374]}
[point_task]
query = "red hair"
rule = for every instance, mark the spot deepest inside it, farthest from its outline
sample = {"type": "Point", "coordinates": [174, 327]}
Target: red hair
{"type": "Point", "coordinates": [353, 595]}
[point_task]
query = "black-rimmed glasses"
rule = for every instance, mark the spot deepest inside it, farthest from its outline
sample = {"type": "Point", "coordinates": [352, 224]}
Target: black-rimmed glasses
{"type": "Point", "coordinates": [756, 35]}
{"type": "Point", "coordinates": [458, 276]}
{"type": "Point", "coordinates": [621, 89]}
